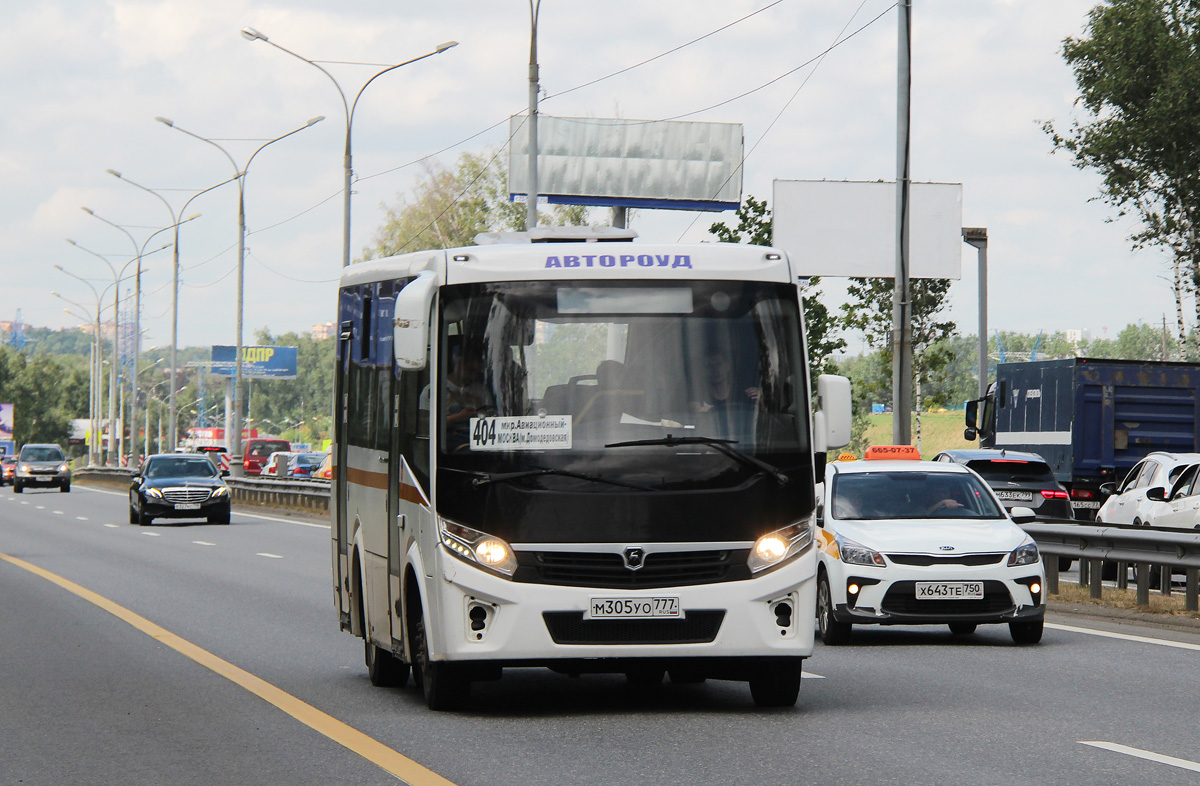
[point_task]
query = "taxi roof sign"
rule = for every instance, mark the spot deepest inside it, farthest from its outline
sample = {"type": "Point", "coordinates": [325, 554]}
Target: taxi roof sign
{"type": "Point", "coordinates": [846, 457]}
{"type": "Point", "coordinates": [907, 452]}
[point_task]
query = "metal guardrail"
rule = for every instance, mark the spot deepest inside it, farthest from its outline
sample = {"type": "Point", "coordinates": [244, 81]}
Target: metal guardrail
{"type": "Point", "coordinates": [1169, 550]}
{"type": "Point", "coordinates": [306, 495]}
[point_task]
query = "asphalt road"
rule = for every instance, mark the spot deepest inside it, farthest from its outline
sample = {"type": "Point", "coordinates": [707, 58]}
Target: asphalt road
{"type": "Point", "coordinates": [188, 653]}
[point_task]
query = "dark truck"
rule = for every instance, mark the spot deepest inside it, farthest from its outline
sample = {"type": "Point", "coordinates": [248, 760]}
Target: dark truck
{"type": "Point", "coordinates": [1090, 419]}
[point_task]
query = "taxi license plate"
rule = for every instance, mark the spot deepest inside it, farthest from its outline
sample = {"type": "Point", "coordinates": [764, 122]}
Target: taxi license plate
{"type": "Point", "coordinates": [949, 590]}
{"type": "Point", "coordinates": [633, 608]}
{"type": "Point", "coordinates": [187, 506]}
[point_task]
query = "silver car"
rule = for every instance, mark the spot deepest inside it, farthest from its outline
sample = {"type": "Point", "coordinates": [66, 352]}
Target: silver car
{"type": "Point", "coordinates": [42, 465]}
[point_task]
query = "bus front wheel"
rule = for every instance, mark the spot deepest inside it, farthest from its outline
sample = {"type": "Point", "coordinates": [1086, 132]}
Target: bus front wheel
{"type": "Point", "coordinates": [776, 683]}
{"type": "Point", "coordinates": [442, 683]}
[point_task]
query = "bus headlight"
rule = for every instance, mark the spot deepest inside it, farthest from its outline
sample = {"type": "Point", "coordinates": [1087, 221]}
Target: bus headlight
{"type": "Point", "coordinates": [483, 549]}
{"type": "Point", "coordinates": [780, 546]}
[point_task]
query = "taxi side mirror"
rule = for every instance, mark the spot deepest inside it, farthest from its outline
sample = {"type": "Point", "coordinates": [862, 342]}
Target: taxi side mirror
{"type": "Point", "coordinates": [1022, 515]}
{"type": "Point", "coordinates": [1156, 494]}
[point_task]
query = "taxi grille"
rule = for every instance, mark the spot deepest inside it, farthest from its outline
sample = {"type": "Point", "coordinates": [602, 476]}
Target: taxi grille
{"type": "Point", "coordinates": [926, 560]}
{"type": "Point", "coordinates": [901, 599]}
{"type": "Point", "coordinates": [178, 495]}
{"type": "Point", "coordinates": [607, 570]}
{"type": "Point", "coordinates": [698, 627]}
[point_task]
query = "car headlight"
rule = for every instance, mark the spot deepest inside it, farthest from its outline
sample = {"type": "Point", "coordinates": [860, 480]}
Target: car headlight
{"type": "Point", "coordinates": [154, 493]}
{"type": "Point", "coordinates": [854, 553]}
{"type": "Point", "coordinates": [1025, 554]}
{"type": "Point", "coordinates": [780, 546]}
{"type": "Point", "coordinates": [483, 549]}
{"type": "Point", "coordinates": [222, 491]}
{"type": "Point", "coordinates": [25, 468]}
{"type": "Point", "coordinates": [63, 467]}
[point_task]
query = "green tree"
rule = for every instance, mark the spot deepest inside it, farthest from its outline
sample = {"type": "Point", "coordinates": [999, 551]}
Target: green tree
{"type": "Point", "coordinates": [869, 311]}
{"type": "Point", "coordinates": [1137, 69]}
{"type": "Point", "coordinates": [301, 408]}
{"type": "Point", "coordinates": [448, 209]}
{"type": "Point", "coordinates": [754, 227]}
{"type": "Point", "coordinates": [42, 391]}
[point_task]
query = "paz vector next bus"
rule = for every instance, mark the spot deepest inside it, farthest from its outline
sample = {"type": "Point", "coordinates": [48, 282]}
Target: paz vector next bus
{"type": "Point", "coordinates": [595, 457]}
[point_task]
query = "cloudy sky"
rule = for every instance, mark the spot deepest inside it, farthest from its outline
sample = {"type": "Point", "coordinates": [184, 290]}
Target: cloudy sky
{"type": "Point", "coordinates": [86, 80]}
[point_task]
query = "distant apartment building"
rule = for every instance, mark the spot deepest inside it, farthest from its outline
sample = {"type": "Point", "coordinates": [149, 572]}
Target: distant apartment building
{"type": "Point", "coordinates": [322, 330]}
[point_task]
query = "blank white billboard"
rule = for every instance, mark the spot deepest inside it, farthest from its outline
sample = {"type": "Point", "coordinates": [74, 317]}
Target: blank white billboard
{"type": "Point", "coordinates": [665, 164]}
{"type": "Point", "coordinates": [848, 228]}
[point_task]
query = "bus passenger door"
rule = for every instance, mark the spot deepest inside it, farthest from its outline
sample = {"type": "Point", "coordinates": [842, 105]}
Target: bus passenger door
{"type": "Point", "coordinates": [341, 551]}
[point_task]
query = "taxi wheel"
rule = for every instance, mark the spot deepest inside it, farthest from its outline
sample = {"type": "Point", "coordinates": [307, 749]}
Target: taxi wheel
{"type": "Point", "coordinates": [1026, 632]}
{"type": "Point", "coordinates": [962, 628]}
{"type": "Point", "coordinates": [833, 632]}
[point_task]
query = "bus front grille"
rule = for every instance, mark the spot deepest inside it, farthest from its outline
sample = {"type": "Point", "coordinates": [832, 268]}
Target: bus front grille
{"type": "Point", "coordinates": [607, 570]}
{"type": "Point", "coordinates": [698, 627]}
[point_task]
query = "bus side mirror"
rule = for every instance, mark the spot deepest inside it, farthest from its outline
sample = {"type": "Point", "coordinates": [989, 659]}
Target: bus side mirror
{"type": "Point", "coordinates": [831, 424]}
{"type": "Point", "coordinates": [410, 322]}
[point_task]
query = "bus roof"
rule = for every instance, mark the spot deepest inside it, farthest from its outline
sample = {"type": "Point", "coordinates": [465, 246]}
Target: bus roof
{"type": "Point", "coordinates": [582, 260]}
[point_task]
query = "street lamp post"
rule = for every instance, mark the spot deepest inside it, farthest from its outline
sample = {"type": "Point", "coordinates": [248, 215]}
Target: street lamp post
{"type": "Point", "coordinates": [93, 366]}
{"type": "Point", "coordinates": [112, 369]}
{"type": "Point", "coordinates": [235, 447]}
{"type": "Point", "coordinates": [531, 219]}
{"type": "Point", "coordinates": [172, 409]}
{"type": "Point", "coordinates": [139, 253]}
{"type": "Point", "coordinates": [251, 34]}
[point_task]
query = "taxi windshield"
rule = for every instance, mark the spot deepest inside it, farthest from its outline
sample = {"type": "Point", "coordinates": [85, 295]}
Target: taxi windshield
{"type": "Point", "coordinates": [911, 495]}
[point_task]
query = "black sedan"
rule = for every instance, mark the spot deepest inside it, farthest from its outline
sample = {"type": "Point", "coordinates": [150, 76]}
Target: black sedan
{"type": "Point", "coordinates": [178, 486]}
{"type": "Point", "coordinates": [1019, 480]}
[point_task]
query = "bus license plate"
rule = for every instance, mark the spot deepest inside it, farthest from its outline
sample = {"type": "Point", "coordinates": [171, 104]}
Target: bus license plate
{"type": "Point", "coordinates": [633, 608]}
{"type": "Point", "coordinates": [187, 506]}
{"type": "Point", "coordinates": [949, 590]}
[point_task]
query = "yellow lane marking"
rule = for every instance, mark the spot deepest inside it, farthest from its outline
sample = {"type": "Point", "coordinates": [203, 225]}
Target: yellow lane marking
{"type": "Point", "coordinates": [369, 748]}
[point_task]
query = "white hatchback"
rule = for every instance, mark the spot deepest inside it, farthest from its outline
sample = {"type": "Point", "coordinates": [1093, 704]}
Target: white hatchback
{"type": "Point", "coordinates": [910, 542]}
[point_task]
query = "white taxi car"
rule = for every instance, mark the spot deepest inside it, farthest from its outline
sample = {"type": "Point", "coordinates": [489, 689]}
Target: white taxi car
{"type": "Point", "coordinates": [909, 542]}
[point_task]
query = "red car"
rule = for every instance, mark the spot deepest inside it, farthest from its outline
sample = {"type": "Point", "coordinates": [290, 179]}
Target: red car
{"type": "Point", "coordinates": [8, 466]}
{"type": "Point", "coordinates": [256, 452]}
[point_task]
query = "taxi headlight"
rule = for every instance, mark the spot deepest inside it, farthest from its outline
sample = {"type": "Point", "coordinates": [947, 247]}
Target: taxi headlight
{"type": "Point", "coordinates": [154, 493]}
{"type": "Point", "coordinates": [483, 549]}
{"type": "Point", "coordinates": [1025, 554]}
{"type": "Point", "coordinates": [780, 546]}
{"type": "Point", "coordinates": [854, 553]}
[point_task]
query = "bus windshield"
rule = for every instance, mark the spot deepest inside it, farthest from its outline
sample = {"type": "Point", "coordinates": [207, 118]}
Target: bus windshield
{"type": "Point", "coordinates": [629, 387]}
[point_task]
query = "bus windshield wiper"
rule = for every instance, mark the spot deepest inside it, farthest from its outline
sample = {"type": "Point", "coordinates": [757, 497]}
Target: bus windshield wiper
{"type": "Point", "coordinates": [720, 445]}
{"type": "Point", "coordinates": [485, 479]}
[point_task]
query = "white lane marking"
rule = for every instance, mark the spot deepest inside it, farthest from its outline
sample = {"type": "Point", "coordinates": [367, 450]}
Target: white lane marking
{"type": "Point", "coordinates": [81, 518]}
{"type": "Point", "coordinates": [58, 512]}
{"type": "Point", "coordinates": [114, 526]}
{"type": "Point", "coordinates": [269, 556]}
{"type": "Point", "coordinates": [41, 507]}
{"type": "Point", "coordinates": [807, 676]}
{"type": "Point", "coordinates": [1141, 754]}
{"type": "Point", "coordinates": [152, 534]}
{"type": "Point", "coordinates": [1183, 645]}
{"type": "Point", "coordinates": [238, 512]}
{"type": "Point", "coordinates": [203, 543]}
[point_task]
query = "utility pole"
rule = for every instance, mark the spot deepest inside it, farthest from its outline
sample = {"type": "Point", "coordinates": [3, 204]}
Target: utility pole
{"type": "Point", "coordinates": [902, 362]}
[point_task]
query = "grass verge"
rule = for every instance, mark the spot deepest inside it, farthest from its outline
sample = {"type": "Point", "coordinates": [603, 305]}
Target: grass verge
{"type": "Point", "coordinates": [1111, 597]}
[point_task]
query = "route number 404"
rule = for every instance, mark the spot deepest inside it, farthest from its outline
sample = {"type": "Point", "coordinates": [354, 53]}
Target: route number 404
{"type": "Point", "coordinates": [484, 432]}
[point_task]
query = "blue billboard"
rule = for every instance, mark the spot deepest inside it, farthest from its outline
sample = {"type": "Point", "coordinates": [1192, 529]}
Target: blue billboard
{"type": "Point", "coordinates": [257, 362]}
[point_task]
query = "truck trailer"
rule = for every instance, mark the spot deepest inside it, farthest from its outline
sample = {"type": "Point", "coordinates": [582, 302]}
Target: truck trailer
{"type": "Point", "coordinates": [1090, 419]}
